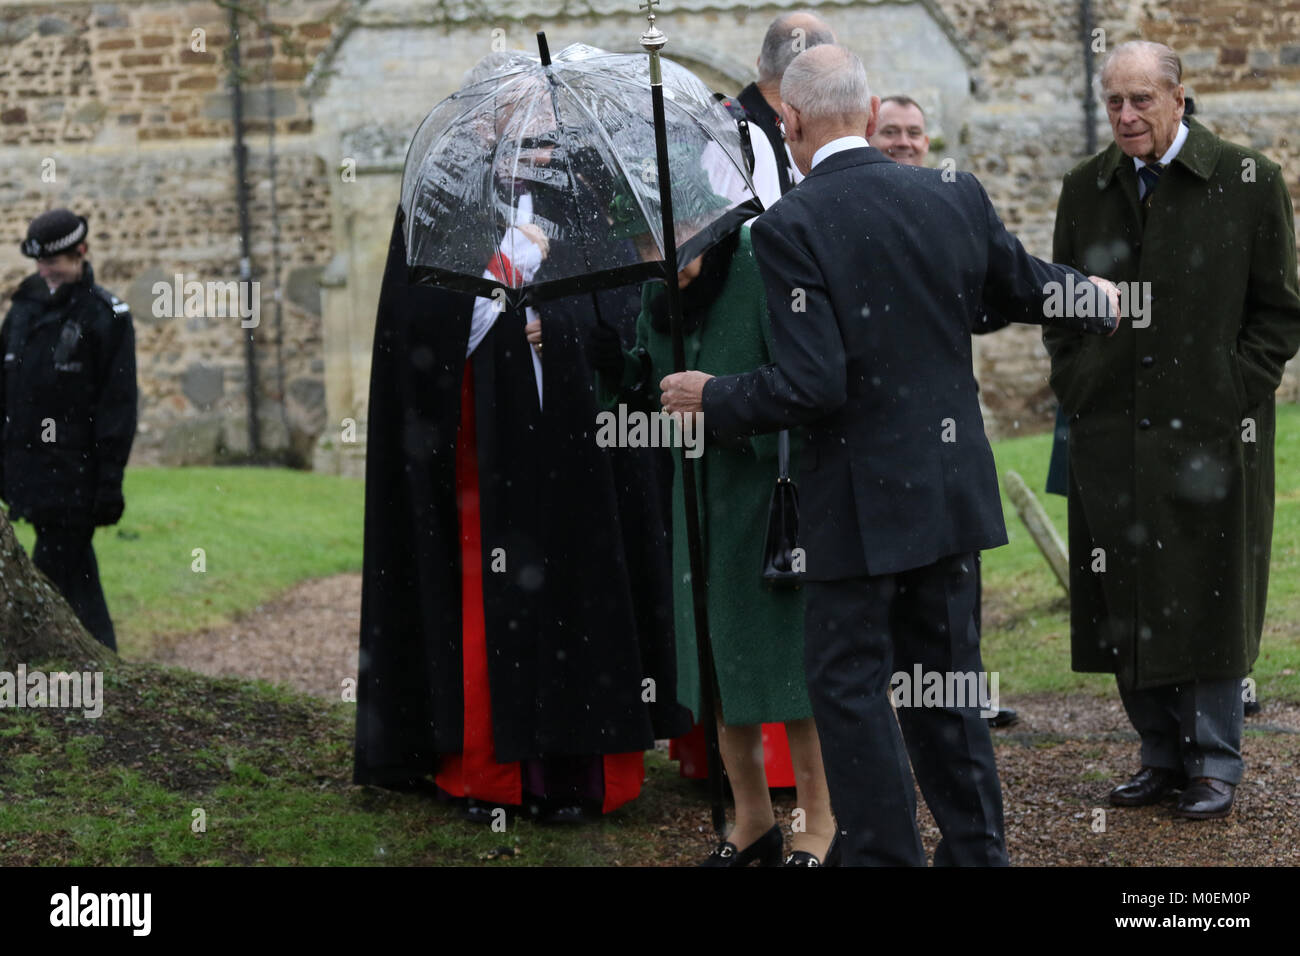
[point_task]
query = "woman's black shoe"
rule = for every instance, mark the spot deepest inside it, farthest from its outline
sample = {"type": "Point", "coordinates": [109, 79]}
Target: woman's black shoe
{"type": "Point", "coordinates": [766, 849]}
{"type": "Point", "coordinates": [804, 858]}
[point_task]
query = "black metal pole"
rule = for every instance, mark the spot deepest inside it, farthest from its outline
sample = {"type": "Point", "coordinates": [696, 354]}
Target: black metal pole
{"type": "Point", "coordinates": [1089, 97]}
{"type": "Point", "coordinates": [653, 40]}
{"type": "Point", "coordinates": [245, 263]}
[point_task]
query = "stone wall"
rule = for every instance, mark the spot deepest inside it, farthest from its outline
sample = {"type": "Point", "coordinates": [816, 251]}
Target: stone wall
{"type": "Point", "coordinates": [1025, 128]}
{"type": "Point", "coordinates": [123, 111]}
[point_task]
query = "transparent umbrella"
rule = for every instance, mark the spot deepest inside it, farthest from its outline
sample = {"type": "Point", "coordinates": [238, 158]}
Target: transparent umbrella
{"type": "Point", "coordinates": [569, 156]}
{"type": "Point", "coordinates": [567, 146]}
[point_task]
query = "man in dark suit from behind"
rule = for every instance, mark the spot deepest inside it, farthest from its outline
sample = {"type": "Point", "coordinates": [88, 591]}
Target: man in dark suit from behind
{"type": "Point", "coordinates": [875, 274]}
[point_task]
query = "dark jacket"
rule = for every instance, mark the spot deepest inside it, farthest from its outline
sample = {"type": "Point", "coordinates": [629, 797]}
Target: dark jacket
{"type": "Point", "coordinates": [1166, 477]}
{"type": "Point", "coordinates": [876, 274]}
{"type": "Point", "coordinates": [67, 402]}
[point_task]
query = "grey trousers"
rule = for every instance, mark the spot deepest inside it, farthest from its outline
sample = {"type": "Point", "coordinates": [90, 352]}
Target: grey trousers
{"type": "Point", "coordinates": [1192, 727]}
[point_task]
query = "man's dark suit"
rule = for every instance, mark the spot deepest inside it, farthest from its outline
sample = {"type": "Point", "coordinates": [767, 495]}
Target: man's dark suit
{"type": "Point", "coordinates": [876, 274]}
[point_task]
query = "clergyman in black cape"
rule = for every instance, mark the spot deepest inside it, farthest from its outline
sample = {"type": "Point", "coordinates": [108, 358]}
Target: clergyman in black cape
{"type": "Point", "coordinates": [577, 657]}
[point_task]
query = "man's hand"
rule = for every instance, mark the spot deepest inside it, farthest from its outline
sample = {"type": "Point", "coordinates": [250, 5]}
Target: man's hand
{"type": "Point", "coordinates": [683, 392]}
{"type": "Point", "coordinates": [1112, 293]}
{"type": "Point", "coordinates": [533, 331]}
{"type": "Point", "coordinates": [537, 237]}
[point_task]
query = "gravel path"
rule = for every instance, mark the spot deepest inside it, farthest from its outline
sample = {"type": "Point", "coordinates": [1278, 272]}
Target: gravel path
{"type": "Point", "coordinates": [1056, 764]}
{"type": "Point", "coordinates": [306, 638]}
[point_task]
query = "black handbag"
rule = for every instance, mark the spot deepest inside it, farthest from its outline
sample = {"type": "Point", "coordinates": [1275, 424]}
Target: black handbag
{"type": "Point", "coordinates": [782, 524]}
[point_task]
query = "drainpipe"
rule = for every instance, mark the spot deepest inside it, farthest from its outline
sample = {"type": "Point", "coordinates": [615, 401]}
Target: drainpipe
{"type": "Point", "coordinates": [276, 262]}
{"type": "Point", "coordinates": [1089, 99]}
{"type": "Point", "coordinates": [245, 264]}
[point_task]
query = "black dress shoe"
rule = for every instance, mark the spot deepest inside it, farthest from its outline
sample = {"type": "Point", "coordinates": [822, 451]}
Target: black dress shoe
{"type": "Point", "coordinates": [1149, 785]}
{"type": "Point", "coordinates": [476, 812]}
{"type": "Point", "coordinates": [553, 812]}
{"type": "Point", "coordinates": [804, 858]}
{"type": "Point", "coordinates": [1005, 717]}
{"type": "Point", "coordinates": [1206, 799]}
{"type": "Point", "coordinates": [766, 849]}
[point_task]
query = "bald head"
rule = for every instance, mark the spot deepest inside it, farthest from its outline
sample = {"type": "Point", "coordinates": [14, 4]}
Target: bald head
{"type": "Point", "coordinates": [789, 35]}
{"type": "Point", "coordinates": [824, 96]}
{"type": "Point", "coordinates": [828, 84]}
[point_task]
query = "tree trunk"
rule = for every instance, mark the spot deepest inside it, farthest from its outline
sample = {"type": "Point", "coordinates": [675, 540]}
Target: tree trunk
{"type": "Point", "coordinates": [36, 624]}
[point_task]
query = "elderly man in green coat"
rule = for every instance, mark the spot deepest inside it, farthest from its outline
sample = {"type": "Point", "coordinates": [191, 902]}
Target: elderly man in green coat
{"type": "Point", "coordinates": [1172, 423]}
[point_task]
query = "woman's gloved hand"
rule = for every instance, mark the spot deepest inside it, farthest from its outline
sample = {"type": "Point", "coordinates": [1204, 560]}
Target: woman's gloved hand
{"type": "Point", "coordinates": [605, 352]}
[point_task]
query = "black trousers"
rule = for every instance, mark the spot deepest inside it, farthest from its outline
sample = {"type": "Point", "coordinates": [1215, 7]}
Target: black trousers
{"type": "Point", "coordinates": [858, 633]}
{"type": "Point", "coordinates": [64, 555]}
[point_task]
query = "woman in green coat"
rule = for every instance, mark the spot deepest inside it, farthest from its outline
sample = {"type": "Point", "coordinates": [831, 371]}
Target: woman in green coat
{"type": "Point", "coordinates": [756, 632]}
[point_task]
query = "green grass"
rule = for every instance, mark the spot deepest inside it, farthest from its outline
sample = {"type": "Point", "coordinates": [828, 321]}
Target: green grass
{"type": "Point", "coordinates": [270, 770]}
{"type": "Point", "coordinates": [1031, 647]}
{"type": "Point", "coordinates": [262, 530]}
{"type": "Point", "coordinates": [271, 774]}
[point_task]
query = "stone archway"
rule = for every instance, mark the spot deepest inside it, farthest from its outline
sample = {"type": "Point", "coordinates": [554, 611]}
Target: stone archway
{"type": "Point", "coordinates": [395, 61]}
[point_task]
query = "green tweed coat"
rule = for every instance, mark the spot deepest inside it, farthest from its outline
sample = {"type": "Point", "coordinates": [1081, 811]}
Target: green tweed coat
{"type": "Point", "coordinates": [757, 633]}
{"type": "Point", "coordinates": [1172, 425]}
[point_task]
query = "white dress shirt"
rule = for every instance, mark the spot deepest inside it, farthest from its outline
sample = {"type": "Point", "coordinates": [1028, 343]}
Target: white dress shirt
{"type": "Point", "coordinates": [796, 177]}
{"type": "Point", "coordinates": [524, 255]}
{"type": "Point", "coordinates": [1179, 138]}
{"type": "Point", "coordinates": [837, 146]}
{"type": "Point", "coordinates": [767, 180]}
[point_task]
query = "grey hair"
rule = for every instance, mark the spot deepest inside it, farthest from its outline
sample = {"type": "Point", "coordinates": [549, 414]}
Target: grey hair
{"type": "Point", "coordinates": [1168, 65]}
{"type": "Point", "coordinates": [828, 85]}
{"type": "Point", "coordinates": [781, 45]}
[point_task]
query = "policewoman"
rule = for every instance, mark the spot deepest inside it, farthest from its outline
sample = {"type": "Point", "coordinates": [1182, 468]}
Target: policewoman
{"type": "Point", "coordinates": [67, 410]}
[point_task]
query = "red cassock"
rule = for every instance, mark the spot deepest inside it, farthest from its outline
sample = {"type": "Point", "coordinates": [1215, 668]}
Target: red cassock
{"type": "Point", "coordinates": [475, 772]}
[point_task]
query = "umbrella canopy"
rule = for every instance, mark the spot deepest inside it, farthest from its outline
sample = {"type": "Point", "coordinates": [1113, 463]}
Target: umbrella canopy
{"type": "Point", "coordinates": [569, 146]}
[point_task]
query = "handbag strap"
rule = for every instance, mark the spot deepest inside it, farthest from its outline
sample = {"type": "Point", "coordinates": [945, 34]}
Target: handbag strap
{"type": "Point", "coordinates": [783, 455]}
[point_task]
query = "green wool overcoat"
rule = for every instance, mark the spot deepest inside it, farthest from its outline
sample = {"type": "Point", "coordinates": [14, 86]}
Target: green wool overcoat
{"type": "Point", "coordinates": [756, 632]}
{"type": "Point", "coordinates": [1172, 424]}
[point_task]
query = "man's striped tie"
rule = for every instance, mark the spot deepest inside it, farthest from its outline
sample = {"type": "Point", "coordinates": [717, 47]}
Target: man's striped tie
{"type": "Point", "coordinates": [1150, 177]}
